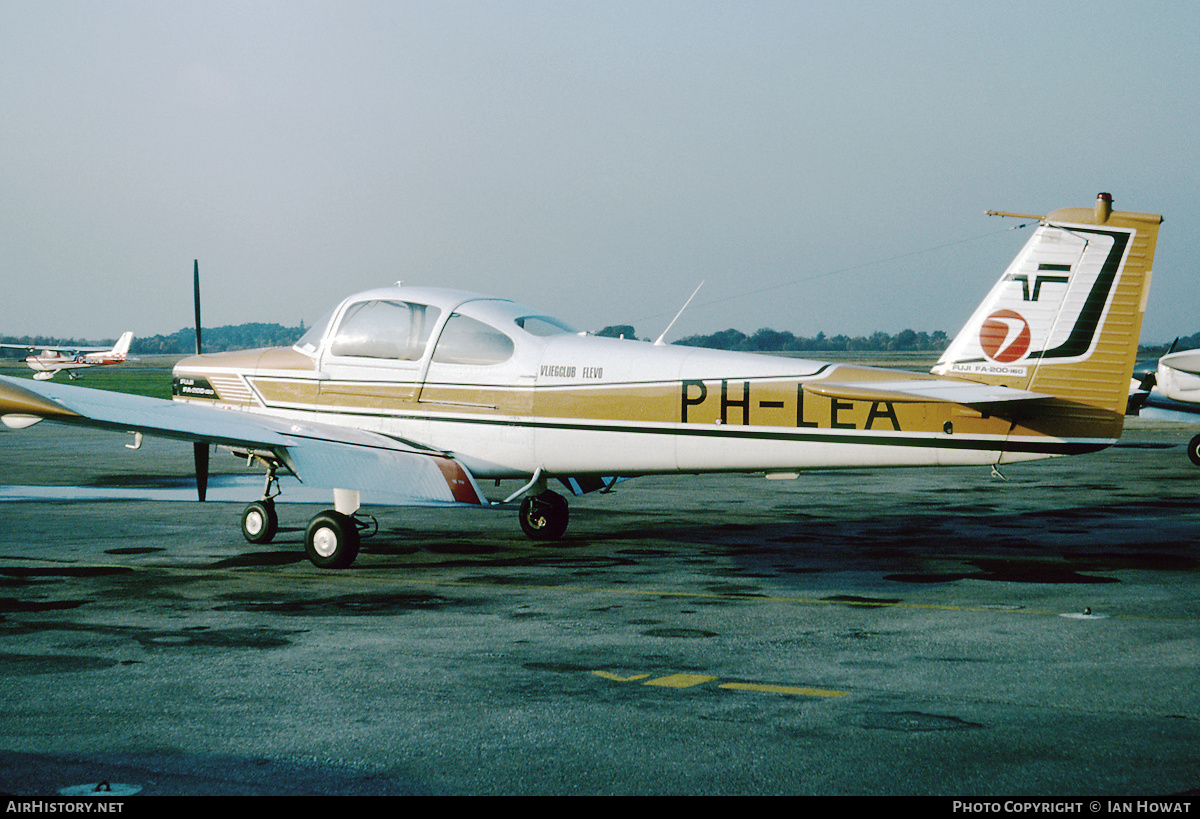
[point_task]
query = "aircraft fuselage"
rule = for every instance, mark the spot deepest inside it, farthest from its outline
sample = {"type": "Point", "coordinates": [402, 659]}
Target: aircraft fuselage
{"type": "Point", "coordinates": [578, 405]}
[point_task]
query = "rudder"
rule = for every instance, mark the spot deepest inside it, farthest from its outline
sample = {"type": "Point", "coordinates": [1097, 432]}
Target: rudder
{"type": "Point", "coordinates": [122, 346]}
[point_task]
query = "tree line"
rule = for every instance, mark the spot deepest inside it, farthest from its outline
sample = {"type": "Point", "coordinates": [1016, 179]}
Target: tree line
{"type": "Point", "coordinates": [181, 342]}
{"type": "Point", "coordinates": [1191, 342]}
{"type": "Point", "coordinates": [765, 340]}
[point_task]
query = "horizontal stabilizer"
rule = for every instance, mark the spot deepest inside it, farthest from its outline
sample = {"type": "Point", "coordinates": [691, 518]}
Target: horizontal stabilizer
{"type": "Point", "coordinates": [968, 393]}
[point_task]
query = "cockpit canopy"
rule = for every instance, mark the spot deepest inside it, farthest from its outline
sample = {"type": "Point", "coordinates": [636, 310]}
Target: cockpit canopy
{"type": "Point", "coordinates": [398, 324]}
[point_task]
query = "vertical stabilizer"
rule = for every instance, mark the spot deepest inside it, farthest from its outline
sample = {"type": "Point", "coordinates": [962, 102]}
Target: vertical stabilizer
{"type": "Point", "coordinates": [1065, 317]}
{"type": "Point", "coordinates": [122, 346]}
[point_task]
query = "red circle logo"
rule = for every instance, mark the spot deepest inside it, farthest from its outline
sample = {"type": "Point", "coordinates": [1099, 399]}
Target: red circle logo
{"type": "Point", "coordinates": [1004, 336]}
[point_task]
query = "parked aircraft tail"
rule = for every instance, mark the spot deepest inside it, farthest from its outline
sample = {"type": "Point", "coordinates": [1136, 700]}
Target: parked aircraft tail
{"type": "Point", "coordinates": [1065, 318]}
{"type": "Point", "coordinates": [122, 346]}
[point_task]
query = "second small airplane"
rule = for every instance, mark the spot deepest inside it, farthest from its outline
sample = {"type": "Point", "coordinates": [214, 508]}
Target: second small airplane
{"type": "Point", "coordinates": [53, 360]}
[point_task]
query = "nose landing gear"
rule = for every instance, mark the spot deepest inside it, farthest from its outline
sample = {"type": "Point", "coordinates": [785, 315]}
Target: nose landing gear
{"type": "Point", "coordinates": [260, 523]}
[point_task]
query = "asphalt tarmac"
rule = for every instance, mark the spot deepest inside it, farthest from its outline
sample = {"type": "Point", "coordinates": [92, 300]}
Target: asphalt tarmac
{"type": "Point", "coordinates": [907, 632]}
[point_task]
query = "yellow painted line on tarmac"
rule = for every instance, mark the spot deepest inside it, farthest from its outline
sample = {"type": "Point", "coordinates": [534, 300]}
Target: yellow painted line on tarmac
{"type": "Point", "coordinates": [692, 680]}
{"type": "Point", "coordinates": [681, 680]}
{"type": "Point", "coordinates": [608, 675]}
{"type": "Point", "coordinates": [783, 689]}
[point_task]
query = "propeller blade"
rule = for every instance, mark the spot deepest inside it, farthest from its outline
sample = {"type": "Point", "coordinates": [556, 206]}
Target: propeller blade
{"type": "Point", "coordinates": [196, 299]}
{"type": "Point", "coordinates": [201, 453]}
{"type": "Point", "coordinates": [199, 450]}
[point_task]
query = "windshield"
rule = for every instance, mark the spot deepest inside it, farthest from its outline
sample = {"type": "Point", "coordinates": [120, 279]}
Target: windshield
{"type": "Point", "coordinates": [544, 326]}
{"type": "Point", "coordinates": [311, 340]}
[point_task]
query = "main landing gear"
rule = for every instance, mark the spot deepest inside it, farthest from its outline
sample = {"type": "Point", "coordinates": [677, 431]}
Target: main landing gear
{"type": "Point", "coordinates": [332, 540]}
{"type": "Point", "coordinates": [544, 516]}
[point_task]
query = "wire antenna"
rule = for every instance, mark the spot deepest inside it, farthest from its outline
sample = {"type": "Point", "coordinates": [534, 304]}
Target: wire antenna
{"type": "Point", "coordinates": [658, 342]}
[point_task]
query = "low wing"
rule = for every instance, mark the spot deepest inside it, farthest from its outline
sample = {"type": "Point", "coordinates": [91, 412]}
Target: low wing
{"type": "Point", "coordinates": [968, 393]}
{"type": "Point", "coordinates": [320, 455]}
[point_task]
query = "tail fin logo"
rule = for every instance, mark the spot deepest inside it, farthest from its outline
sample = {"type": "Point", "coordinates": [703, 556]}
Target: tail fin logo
{"type": "Point", "coordinates": [1004, 336]}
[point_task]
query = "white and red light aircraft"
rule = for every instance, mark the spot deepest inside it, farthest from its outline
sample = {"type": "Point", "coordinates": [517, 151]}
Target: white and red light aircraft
{"type": "Point", "coordinates": [53, 360]}
{"type": "Point", "coordinates": [411, 394]}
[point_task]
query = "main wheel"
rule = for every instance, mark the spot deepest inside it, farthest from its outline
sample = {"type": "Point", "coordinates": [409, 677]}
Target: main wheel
{"type": "Point", "coordinates": [259, 522]}
{"type": "Point", "coordinates": [1194, 450]}
{"type": "Point", "coordinates": [544, 517]}
{"type": "Point", "coordinates": [331, 540]}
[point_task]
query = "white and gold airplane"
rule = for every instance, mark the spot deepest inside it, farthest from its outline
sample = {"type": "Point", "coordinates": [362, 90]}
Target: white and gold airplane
{"type": "Point", "coordinates": [412, 395]}
{"type": "Point", "coordinates": [53, 360]}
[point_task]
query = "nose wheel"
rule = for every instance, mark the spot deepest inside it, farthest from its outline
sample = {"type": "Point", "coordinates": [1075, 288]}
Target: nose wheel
{"type": "Point", "coordinates": [544, 516]}
{"type": "Point", "coordinates": [260, 521]}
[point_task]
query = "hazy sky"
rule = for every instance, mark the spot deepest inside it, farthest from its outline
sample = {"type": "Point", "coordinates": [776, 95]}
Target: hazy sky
{"type": "Point", "coordinates": [822, 166]}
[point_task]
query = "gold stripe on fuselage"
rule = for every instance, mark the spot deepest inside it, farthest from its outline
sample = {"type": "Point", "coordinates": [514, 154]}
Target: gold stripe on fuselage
{"type": "Point", "coordinates": [756, 403]}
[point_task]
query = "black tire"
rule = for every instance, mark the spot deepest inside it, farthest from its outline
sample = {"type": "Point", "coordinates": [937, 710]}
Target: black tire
{"type": "Point", "coordinates": [1194, 450]}
{"type": "Point", "coordinates": [545, 517]}
{"type": "Point", "coordinates": [331, 540]}
{"type": "Point", "coordinates": [259, 522]}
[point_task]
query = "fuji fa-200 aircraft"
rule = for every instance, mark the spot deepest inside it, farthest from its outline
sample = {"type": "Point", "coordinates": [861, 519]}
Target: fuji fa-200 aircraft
{"type": "Point", "coordinates": [53, 360]}
{"type": "Point", "coordinates": [412, 395]}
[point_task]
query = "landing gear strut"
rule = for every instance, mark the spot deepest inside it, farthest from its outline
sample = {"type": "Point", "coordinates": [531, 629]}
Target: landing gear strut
{"type": "Point", "coordinates": [544, 516]}
{"type": "Point", "coordinates": [260, 523]}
